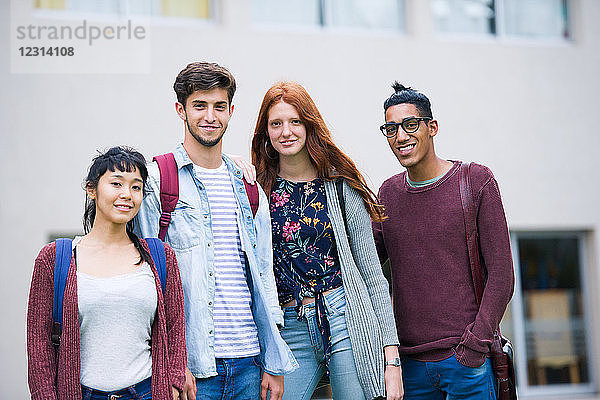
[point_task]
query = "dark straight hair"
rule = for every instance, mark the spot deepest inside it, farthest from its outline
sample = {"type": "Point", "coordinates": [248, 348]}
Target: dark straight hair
{"type": "Point", "coordinates": [122, 158]}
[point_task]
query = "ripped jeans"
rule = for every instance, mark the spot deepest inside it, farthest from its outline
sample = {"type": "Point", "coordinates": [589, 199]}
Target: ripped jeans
{"type": "Point", "coordinates": [304, 339]}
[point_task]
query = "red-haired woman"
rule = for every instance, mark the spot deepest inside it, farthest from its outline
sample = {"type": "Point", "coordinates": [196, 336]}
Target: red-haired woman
{"type": "Point", "coordinates": [338, 315]}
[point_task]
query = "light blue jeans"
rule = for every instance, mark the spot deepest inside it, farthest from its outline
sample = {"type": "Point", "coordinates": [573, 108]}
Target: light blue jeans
{"type": "Point", "coordinates": [447, 379]}
{"type": "Point", "coordinates": [237, 379]}
{"type": "Point", "coordinates": [304, 340]}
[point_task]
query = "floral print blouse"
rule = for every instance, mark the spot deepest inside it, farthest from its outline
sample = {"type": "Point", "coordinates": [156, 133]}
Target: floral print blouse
{"type": "Point", "coordinates": [304, 254]}
{"type": "Point", "coordinates": [305, 258]}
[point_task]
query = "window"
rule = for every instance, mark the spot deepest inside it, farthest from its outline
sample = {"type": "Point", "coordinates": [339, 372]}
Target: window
{"type": "Point", "coordinates": [380, 14]}
{"type": "Point", "coordinates": [547, 318]}
{"type": "Point", "coordinates": [362, 14]}
{"type": "Point", "coordinates": [290, 12]}
{"type": "Point", "coordinates": [536, 18]}
{"type": "Point", "coordinates": [541, 19]}
{"type": "Point", "coordinates": [464, 16]}
{"type": "Point", "coordinates": [200, 9]}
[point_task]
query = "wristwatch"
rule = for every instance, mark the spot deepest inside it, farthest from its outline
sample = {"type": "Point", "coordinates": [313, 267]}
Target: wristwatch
{"type": "Point", "coordinates": [394, 362]}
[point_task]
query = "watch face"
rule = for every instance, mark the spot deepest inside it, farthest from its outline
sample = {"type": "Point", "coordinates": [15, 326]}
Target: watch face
{"type": "Point", "coordinates": [394, 362]}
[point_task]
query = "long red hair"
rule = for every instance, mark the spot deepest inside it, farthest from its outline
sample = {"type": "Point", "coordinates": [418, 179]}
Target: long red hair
{"type": "Point", "coordinates": [329, 161]}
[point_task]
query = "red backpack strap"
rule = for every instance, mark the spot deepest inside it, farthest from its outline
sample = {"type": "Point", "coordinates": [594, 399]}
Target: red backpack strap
{"type": "Point", "coordinates": [169, 190]}
{"type": "Point", "coordinates": [469, 211]}
{"type": "Point", "coordinates": [252, 193]}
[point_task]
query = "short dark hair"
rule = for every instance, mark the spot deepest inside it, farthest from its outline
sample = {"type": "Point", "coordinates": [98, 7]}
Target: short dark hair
{"type": "Point", "coordinates": [203, 76]}
{"type": "Point", "coordinates": [407, 95]}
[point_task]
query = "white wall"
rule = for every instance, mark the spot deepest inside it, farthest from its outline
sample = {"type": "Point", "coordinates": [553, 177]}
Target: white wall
{"type": "Point", "coordinates": [525, 109]}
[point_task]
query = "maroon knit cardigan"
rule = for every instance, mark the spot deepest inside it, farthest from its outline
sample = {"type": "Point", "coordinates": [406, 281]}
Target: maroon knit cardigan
{"type": "Point", "coordinates": [49, 382]}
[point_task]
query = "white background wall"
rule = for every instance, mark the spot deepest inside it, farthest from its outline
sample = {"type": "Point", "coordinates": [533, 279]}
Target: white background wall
{"type": "Point", "coordinates": [528, 110]}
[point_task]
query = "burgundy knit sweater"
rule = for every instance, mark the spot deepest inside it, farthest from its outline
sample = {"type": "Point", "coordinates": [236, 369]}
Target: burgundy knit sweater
{"type": "Point", "coordinates": [48, 382]}
{"type": "Point", "coordinates": [424, 238]}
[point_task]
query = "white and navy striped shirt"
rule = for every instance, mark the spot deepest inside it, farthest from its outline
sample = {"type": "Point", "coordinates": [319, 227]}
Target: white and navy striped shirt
{"type": "Point", "coordinates": [235, 331]}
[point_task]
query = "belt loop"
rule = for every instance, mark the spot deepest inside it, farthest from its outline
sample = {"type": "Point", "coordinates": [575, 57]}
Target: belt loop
{"type": "Point", "coordinates": [87, 393]}
{"type": "Point", "coordinates": [301, 312]}
{"type": "Point", "coordinates": [133, 392]}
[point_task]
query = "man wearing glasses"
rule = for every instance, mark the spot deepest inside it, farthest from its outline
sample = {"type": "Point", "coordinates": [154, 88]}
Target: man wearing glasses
{"type": "Point", "coordinates": [444, 334]}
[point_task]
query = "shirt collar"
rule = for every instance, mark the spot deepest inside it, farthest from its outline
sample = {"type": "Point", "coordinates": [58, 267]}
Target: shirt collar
{"type": "Point", "coordinates": [181, 156]}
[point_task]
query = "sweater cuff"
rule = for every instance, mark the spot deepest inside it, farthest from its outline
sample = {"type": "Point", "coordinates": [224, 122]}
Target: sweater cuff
{"type": "Point", "coordinates": [471, 350]}
{"type": "Point", "coordinates": [471, 341]}
{"type": "Point", "coordinates": [390, 340]}
{"type": "Point", "coordinates": [468, 357]}
{"type": "Point", "coordinates": [178, 381]}
{"type": "Point", "coordinates": [49, 394]}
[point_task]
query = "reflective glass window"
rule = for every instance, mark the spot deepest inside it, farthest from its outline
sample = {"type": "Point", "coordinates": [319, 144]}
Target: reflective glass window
{"type": "Point", "coordinates": [545, 19]}
{"type": "Point", "coordinates": [374, 14]}
{"type": "Point", "coordinates": [536, 18]}
{"type": "Point", "coordinates": [464, 16]}
{"type": "Point", "coordinates": [166, 8]}
{"type": "Point", "coordinates": [287, 12]}
{"type": "Point", "coordinates": [361, 14]}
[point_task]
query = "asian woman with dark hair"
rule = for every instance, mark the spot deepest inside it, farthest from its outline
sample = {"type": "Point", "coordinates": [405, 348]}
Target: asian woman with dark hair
{"type": "Point", "coordinates": [122, 337]}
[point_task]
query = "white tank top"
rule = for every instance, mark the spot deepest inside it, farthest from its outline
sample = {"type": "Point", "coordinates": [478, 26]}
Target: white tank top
{"type": "Point", "coordinates": [115, 324]}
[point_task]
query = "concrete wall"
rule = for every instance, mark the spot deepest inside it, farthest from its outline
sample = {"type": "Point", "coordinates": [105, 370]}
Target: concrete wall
{"type": "Point", "coordinates": [525, 109]}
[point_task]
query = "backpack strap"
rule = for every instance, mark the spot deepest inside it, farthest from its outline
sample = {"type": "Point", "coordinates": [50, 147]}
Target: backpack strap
{"type": "Point", "coordinates": [252, 193]}
{"type": "Point", "coordinates": [169, 190]}
{"type": "Point", "coordinates": [469, 212]}
{"type": "Point", "coordinates": [501, 364]}
{"type": "Point", "coordinates": [157, 251]}
{"type": "Point", "coordinates": [62, 264]}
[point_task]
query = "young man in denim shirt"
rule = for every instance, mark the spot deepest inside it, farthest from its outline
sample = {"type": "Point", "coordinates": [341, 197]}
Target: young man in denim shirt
{"type": "Point", "coordinates": [224, 252]}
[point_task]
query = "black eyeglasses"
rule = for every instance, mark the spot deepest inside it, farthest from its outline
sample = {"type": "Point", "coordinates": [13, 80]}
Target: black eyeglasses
{"type": "Point", "coordinates": [409, 125]}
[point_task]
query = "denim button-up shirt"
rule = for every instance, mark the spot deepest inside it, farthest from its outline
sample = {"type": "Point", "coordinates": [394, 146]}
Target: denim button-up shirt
{"type": "Point", "coordinates": [190, 235]}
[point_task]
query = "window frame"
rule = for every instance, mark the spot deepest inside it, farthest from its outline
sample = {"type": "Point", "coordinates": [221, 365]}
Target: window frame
{"type": "Point", "coordinates": [324, 23]}
{"type": "Point", "coordinates": [327, 20]}
{"type": "Point", "coordinates": [500, 16]}
{"type": "Point", "coordinates": [146, 19]}
{"type": "Point", "coordinates": [500, 30]}
{"type": "Point", "coordinates": [518, 318]}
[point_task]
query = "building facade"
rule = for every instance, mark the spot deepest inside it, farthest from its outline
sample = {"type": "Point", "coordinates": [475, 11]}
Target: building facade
{"type": "Point", "coordinates": [514, 85]}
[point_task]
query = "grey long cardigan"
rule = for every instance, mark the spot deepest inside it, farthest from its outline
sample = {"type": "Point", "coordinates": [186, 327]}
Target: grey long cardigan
{"type": "Point", "coordinates": [369, 314]}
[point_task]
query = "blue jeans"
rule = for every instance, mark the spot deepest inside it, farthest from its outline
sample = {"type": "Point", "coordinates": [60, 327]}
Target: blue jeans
{"type": "Point", "coordinates": [304, 340]}
{"type": "Point", "coordinates": [237, 379]}
{"type": "Point", "coordinates": [140, 391]}
{"type": "Point", "coordinates": [447, 379]}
